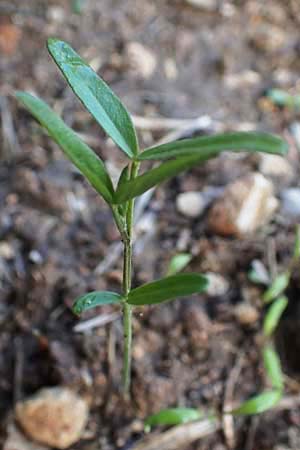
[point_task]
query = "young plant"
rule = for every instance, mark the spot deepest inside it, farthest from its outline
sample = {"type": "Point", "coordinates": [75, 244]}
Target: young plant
{"type": "Point", "coordinates": [267, 399]}
{"type": "Point", "coordinates": [112, 116]}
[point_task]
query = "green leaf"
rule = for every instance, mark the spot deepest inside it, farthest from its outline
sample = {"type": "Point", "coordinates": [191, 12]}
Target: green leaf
{"type": "Point", "coordinates": [273, 315]}
{"type": "Point", "coordinates": [283, 98]}
{"type": "Point", "coordinates": [124, 176]}
{"type": "Point", "coordinates": [191, 154]}
{"type": "Point", "coordinates": [173, 416]}
{"type": "Point", "coordinates": [297, 243]}
{"type": "Point", "coordinates": [178, 263]}
{"type": "Point", "coordinates": [96, 298]}
{"type": "Point", "coordinates": [258, 404]}
{"type": "Point", "coordinates": [210, 146]}
{"type": "Point", "coordinates": [96, 96]}
{"type": "Point", "coordinates": [89, 164]}
{"type": "Point", "coordinates": [277, 287]}
{"type": "Point", "coordinates": [142, 183]}
{"type": "Point", "coordinates": [273, 366]}
{"type": "Point", "coordinates": [168, 288]}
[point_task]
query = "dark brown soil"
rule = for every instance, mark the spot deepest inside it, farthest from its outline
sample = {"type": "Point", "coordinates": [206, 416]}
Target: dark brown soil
{"type": "Point", "coordinates": [54, 230]}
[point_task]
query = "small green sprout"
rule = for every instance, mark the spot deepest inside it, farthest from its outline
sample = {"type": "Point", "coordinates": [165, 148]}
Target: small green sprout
{"type": "Point", "coordinates": [109, 112]}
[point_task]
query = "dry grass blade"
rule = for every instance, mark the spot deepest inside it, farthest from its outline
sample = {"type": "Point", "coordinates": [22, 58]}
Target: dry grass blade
{"type": "Point", "coordinates": [178, 438]}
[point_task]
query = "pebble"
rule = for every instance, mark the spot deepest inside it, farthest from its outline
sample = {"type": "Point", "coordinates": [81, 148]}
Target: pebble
{"type": "Point", "coordinates": [291, 202]}
{"type": "Point", "coordinates": [217, 285]}
{"type": "Point", "coordinates": [247, 204]}
{"type": "Point", "coordinates": [246, 314]}
{"type": "Point", "coordinates": [141, 59]}
{"type": "Point", "coordinates": [268, 38]}
{"type": "Point", "coordinates": [53, 416]}
{"type": "Point", "coordinates": [205, 5]}
{"type": "Point", "coordinates": [276, 166]}
{"type": "Point", "coordinates": [190, 204]}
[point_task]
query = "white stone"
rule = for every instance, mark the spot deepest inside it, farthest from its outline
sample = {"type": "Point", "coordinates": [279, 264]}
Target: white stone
{"type": "Point", "coordinates": [247, 204]}
{"type": "Point", "coordinates": [206, 5]}
{"type": "Point", "coordinates": [275, 166]}
{"type": "Point", "coordinates": [291, 202]}
{"type": "Point", "coordinates": [190, 204]}
{"type": "Point", "coordinates": [217, 285]}
{"type": "Point", "coordinates": [53, 416]}
{"type": "Point", "coordinates": [141, 59]}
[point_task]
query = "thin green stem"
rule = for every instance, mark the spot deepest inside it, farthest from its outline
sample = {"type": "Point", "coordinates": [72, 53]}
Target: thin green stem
{"type": "Point", "coordinates": [127, 269]}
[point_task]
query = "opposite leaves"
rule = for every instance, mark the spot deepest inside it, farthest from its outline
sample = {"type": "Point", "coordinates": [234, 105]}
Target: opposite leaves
{"type": "Point", "coordinates": [89, 164]}
{"type": "Point", "coordinates": [212, 145]}
{"type": "Point", "coordinates": [96, 96]}
{"type": "Point", "coordinates": [190, 153]}
{"type": "Point", "coordinates": [167, 289]}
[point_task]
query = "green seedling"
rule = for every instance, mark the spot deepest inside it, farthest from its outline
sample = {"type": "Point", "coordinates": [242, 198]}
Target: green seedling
{"type": "Point", "coordinates": [176, 157]}
{"type": "Point", "coordinates": [283, 98]}
{"type": "Point", "coordinates": [178, 263]}
{"type": "Point", "coordinates": [267, 399]}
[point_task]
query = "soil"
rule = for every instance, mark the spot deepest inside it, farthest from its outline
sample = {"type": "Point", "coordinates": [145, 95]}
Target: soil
{"type": "Point", "coordinates": [54, 230]}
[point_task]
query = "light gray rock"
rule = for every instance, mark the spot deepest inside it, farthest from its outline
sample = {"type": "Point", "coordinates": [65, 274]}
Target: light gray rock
{"type": "Point", "coordinates": [291, 202]}
{"type": "Point", "coordinates": [190, 204]}
{"type": "Point", "coordinates": [247, 204]}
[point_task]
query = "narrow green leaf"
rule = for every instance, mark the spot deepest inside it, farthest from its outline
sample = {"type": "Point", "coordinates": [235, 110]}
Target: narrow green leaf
{"type": "Point", "coordinates": [192, 154]}
{"type": "Point", "coordinates": [273, 315]}
{"type": "Point", "coordinates": [146, 181]}
{"type": "Point", "coordinates": [93, 299]}
{"type": "Point", "coordinates": [96, 96]}
{"type": "Point", "coordinates": [273, 367]}
{"type": "Point", "coordinates": [89, 164]}
{"type": "Point", "coordinates": [297, 243]}
{"type": "Point", "coordinates": [178, 263]}
{"type": "Point", "coordinates": [277, 287]}
{"type": "Point", "coordinates": [173, 416]}
{"type": "Point", "coordinates": [124, 176]}
{"type": "Point", "coordinates": [168, 288]}
{"type": "Point", "coordinates": [210, 146]}
{"type": "Point", "coordinates": [258, 404]}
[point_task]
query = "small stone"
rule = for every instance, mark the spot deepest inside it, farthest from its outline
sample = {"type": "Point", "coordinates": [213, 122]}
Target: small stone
{"type": "Point", "coordinates": [190, 204]}
{"type": "Point", "coordinates": [246, 314]}
{"type": "Point", "coordinates": [291, 202]}
{"type": "Point", "coordinates": [276, 166]}
{"type": "Point", "coordinates": [141, 59]}
{"type": "Point", "coordinates": [242, 79]}
{"type": "Point", "coordinates": [56, 14]}
{"type": "Point", "coordinates": [206, 5]}
{"type": "Point", "coordinates": [217, 285]}
{"type": "Point", "coordinates": [15, 440]}
{"type": "Point", "coordinates": [268, 38]}
{"type": "Point", "coordinates": [10, 37]}
{"type": "Point", "coordinates": [53, 416]}
{"type": "Point", "coordinates": [247, 204]}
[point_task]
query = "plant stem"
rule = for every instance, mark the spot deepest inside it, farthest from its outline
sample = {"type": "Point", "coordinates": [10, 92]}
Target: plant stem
{"type": "Point", "coordinates": [127, 269]}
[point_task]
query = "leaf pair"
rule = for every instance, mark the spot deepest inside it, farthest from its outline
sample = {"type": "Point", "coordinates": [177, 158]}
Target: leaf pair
{"type": "Point", "coordinates": [191, 152]}
{"type": "Point", "coordinates": [110, 113]}
{"type": "Point", "coordinates": [149, 294]}
{"type": "Point", "coordinates": [104, 106]}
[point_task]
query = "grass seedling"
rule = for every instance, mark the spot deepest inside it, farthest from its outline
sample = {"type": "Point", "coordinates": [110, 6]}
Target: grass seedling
{"type": "Point", "coordinates": [176, 157]}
